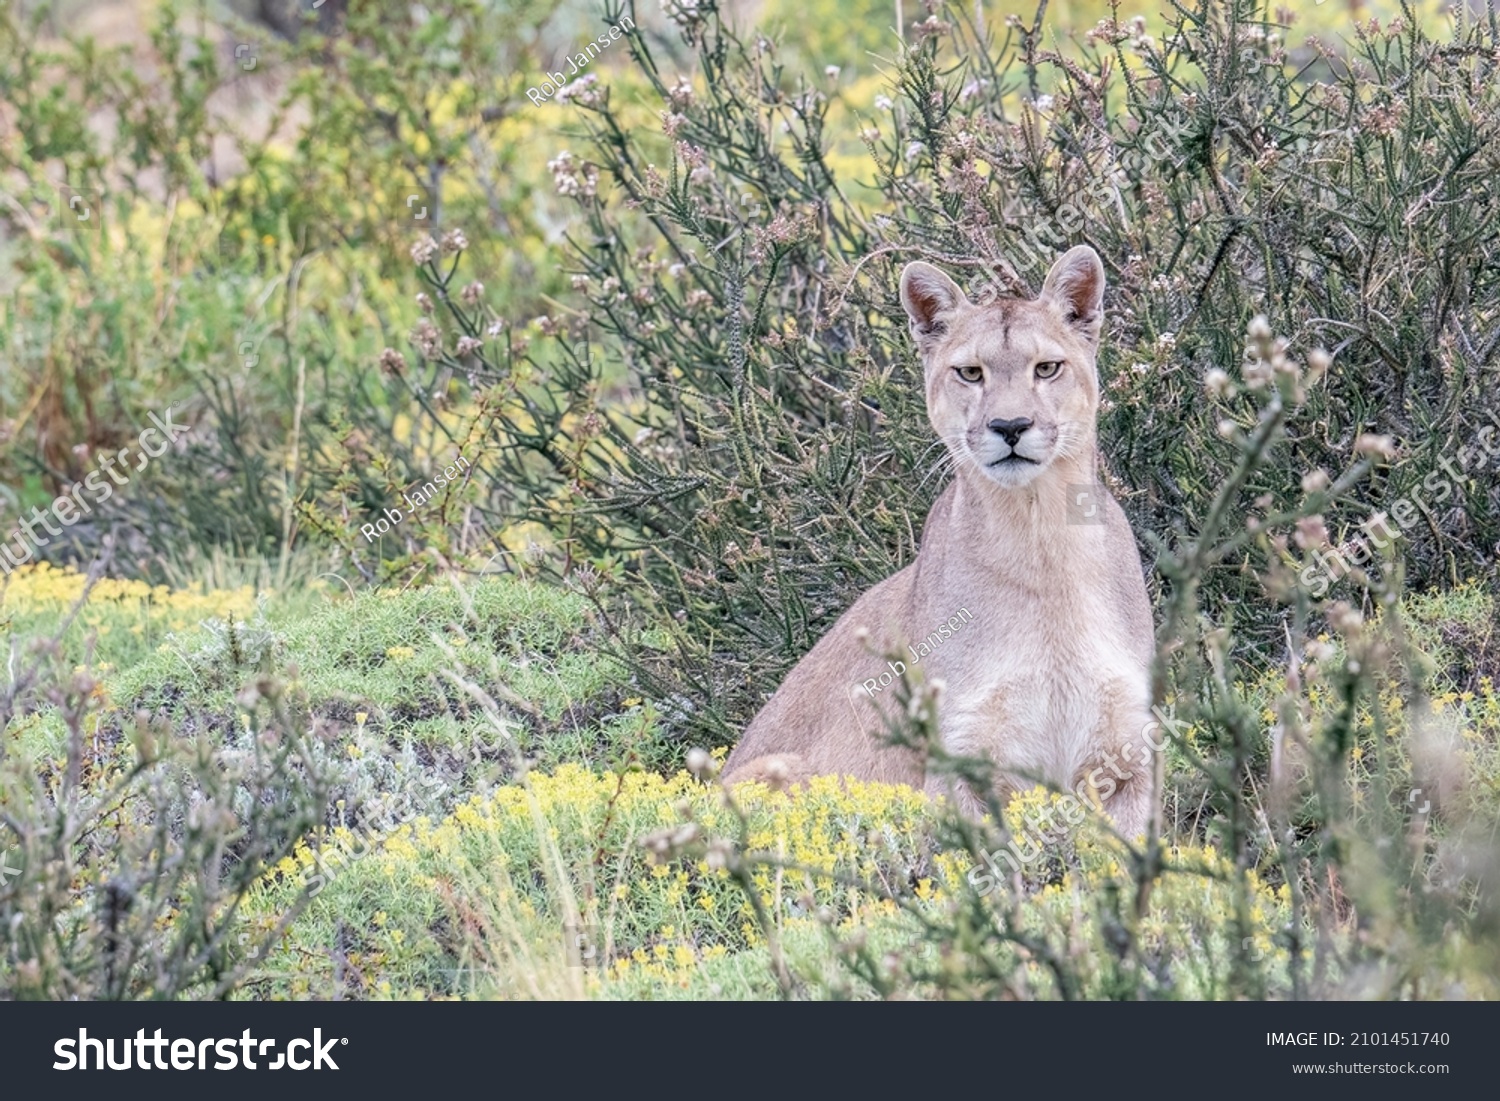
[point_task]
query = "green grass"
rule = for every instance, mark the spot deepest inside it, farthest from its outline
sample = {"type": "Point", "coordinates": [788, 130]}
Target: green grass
{"type": "Point", "coordinates": [473, 739]}
{"type": "Point", "coordinates": [463, 684]}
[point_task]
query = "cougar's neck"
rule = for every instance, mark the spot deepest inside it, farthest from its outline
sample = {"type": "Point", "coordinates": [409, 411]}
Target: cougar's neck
{"type": "Point", "coordinates": [1054, 518]}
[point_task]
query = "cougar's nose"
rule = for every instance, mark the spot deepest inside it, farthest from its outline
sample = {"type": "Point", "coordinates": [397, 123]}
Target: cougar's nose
{"type": "Point", "coordinates": [1010, 430]}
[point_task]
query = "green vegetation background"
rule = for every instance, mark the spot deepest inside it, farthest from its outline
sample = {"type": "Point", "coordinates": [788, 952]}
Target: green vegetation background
{"type": "Point", "coordinates": [266, 757]}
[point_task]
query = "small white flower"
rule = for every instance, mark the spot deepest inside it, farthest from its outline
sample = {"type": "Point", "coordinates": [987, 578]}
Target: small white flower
{"type": "Point", "coordinates": [699, 763]}
{"type": "Point", "coordinates": [883, 103]}
{"type": "Point", "coordinates": [1370, 443]}
{"type": "Point", "coordinates": [424, 250]}
{"type": "Point", "coordinates": [582, 90]}
{"type": "Point", "coordinates": [684, 13]}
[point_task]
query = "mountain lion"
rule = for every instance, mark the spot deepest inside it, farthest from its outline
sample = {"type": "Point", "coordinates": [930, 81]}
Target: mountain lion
{"type": "Point", "coordinates": [1027, 595]}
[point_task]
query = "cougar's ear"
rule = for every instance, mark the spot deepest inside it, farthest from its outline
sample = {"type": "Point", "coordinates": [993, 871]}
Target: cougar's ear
{"type": "Point", "coordinates": [930, 299]}
{"type": "Point", "coordinates": [1075, 285]}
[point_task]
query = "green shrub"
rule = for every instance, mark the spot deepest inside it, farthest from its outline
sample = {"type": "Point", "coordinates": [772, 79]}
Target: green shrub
{"type": "Point", "coordinates": [765, 456]}
{"type": "Point", "coordinates": [128, 855]}
{"type": "Point", "coordinates": [246, 258]}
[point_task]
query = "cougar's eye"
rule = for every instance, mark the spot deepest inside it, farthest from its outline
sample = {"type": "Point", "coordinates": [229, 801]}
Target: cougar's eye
{"type": "Point", "coordinates": [970, 373]}
{"type": "Point", "coordinates": [1047, 370]}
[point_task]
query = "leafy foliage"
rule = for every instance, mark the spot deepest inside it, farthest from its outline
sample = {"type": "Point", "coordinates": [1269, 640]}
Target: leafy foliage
{"type": "Point", "coordinates": [765, 454]}
{"type": "Point", "coordinates": [704, 455]}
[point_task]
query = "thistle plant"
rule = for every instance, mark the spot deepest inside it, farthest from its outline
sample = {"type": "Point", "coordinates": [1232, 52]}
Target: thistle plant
{"type": "Point", "coordinates": [743, 450]}
{"type": "Point", "coordinates": [727, 420]}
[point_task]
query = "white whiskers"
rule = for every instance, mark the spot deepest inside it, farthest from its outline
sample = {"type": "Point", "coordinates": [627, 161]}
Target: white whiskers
{"type": "Point", "coordinates": [957, 453]}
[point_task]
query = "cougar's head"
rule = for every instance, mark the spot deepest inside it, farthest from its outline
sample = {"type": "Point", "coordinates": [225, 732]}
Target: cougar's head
{"type": "Point", "coordinates": [1011, 386]}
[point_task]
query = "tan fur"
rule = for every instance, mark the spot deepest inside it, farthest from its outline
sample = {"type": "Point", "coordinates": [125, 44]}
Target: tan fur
{"type": "Point", "coordinates": [1049, 675]}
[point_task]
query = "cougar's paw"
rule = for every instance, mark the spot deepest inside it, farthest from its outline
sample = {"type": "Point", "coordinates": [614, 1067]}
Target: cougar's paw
{"type": "Point", "coordinates": [778, 771]}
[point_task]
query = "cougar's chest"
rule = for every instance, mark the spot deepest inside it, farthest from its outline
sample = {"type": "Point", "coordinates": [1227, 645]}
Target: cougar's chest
{"type": "Point", "coordinates": [1033, 687]}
